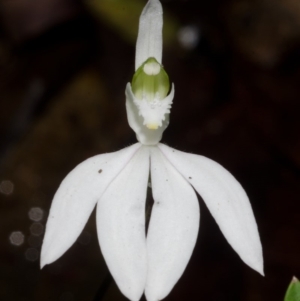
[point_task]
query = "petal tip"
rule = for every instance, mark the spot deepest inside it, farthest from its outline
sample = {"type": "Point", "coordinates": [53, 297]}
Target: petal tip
{"type": "Point", "coordinates": [43, 262]}
{"type": "Point", "coordinates": [260, 270]}
{"type": "Point", "coordinates": [152, 8]}
{"type": "Point", "coordinates": [46, 256]}
{"type": "Point", "coordinates": [154, 294]}
{"type": "Point", "coordinates": [134, 296]}
{"type": "Point", "coordinates": [132, 292]}
{"type": "Point", "coordinates": [42, 265]}
{"type": "Point", "coordinates": [257, 266]}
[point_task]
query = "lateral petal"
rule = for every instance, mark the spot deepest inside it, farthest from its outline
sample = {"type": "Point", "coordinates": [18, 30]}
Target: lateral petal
{"type": "Point", "coordinates": [173, 227]}
{"type": "Point", "coordinates": [121, 226]}
{"type": "Point", "coordinates": [76, 197]}
{"type": "Point", "coordinates": [226, 200]}
{"type": "Point", "coordinates": [149, 41]}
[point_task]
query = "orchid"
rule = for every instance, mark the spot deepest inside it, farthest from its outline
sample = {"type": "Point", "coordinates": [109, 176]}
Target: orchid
{"type": "Point", "coordinates": [117, 182]}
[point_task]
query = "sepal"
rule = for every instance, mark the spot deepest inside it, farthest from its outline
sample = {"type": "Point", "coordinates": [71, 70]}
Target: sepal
{"type": "Point", "coordinates": [149, 41]}
{"type": "Point", "coordinates": [226, 200]}
{"type": "Point", "coordinates": [76, 198]}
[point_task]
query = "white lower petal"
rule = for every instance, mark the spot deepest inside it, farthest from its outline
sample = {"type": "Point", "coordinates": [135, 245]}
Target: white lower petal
{"type": "Point", "coordinates": [225, 199]}
{"type": "Point", "coordinates": [121, 226]}
{"type": "Point", "coordinates": [76, 198]}
{"type": "Point", "coordinates": [173, 227]}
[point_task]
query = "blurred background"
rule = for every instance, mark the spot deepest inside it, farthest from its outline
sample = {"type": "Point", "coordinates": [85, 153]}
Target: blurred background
{"type": "Point", "coordinates": [64, 65]}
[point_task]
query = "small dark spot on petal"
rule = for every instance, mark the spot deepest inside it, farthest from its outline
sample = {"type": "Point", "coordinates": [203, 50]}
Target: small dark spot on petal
{"type": "Point", "coordinates": [190, 178]}
{"type": "Point", "coordinates": [100, 170]}
{"type": "Point", "coordinates": [157, 203]}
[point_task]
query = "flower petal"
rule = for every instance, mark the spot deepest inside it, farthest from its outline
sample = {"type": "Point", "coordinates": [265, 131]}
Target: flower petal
{"type": "Point", "coordinates": [173, 228]}
{"type": "Point", "coordinates": [143, 134]}
{"type": "Point", "coordinates": [76, 197]}
{"type": "Point", "coordinates": [121, 226]}
{"type": "Point", "coordinates": [149, 41]}
{"type": "Point", "coordinates": [225, 199]}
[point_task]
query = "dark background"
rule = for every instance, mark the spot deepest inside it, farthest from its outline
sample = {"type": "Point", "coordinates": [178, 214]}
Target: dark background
{"type": "Point", "coordinates": [64, 65]}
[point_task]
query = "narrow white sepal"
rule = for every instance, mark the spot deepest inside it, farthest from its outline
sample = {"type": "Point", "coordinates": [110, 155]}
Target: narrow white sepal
{"type": "Point", "coordinates": [121, 226]}
{"type": "Point", "coordinates": [137, 110]}
{"type": "Point", "coordinates": [173, 227]}
{"type": "Point", "coordinates": [149, 41]}
{"type": "Point", "coordinates": [225, 199]}
{"type": "Point", "coordinates": [76, 197]}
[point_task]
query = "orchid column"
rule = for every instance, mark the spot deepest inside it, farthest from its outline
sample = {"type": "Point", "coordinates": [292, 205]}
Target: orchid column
{"type": "Point", "coordinates": [117, 183]}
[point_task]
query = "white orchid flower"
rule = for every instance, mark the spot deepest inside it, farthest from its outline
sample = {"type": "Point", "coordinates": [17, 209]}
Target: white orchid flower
{"type": "Point", "coordinates": [117, 183]}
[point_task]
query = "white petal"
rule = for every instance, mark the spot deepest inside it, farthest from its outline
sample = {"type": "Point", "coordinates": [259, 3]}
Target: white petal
{"type": "Point", "coordinates": [136, 121]}
{"type": "Point", "coordinates": [76, 197]}
{"type": "Point", "coordinates": [149, 41]}
{"type": "Point", "coordinates": [226, 200]}
{"type": "Point", "coordinates": [121, 226]}
{"type": "Point", "coordinates": [173, 227]}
